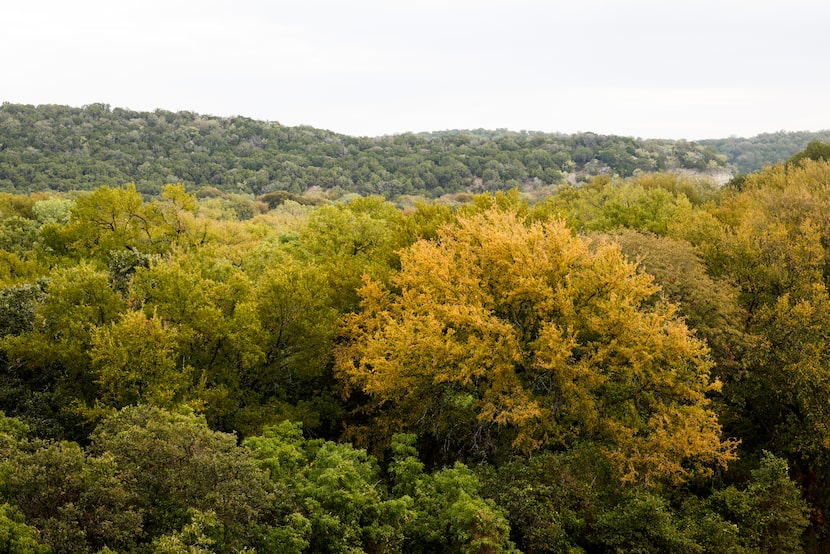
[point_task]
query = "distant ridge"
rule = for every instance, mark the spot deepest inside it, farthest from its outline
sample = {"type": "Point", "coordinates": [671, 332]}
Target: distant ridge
{"type": "Point", "coordinates": [751, 154]}
{"type": "Point", "coordinates": [52, 147]}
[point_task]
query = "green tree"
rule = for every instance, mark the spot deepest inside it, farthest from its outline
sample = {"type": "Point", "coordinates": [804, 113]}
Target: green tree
{"type": "Point", "coordinates": [148, 479]}
{"type": "Point", "coordinates": [17, 308]}
{"type": "Point", "coordinates": [449, 514]}
{"type": "Point", "coordinates": [770, 513]}
{"type": "Point", "coordinates": [815, 150]}
{"type": "Point", "coordinates": [337, 489]}
{"type": "Point", "coordinates": [553, 499]}
{"type": "Point", "coordinates": [78, 503]}
{"type": "Point", "coordinates": [114, 219]}
{"type": "Point", "coordinates": [194, 537]}
{"type": "Point", "coordinates": [50, 363]}
{"type": "Point", "coordinates": [53, 211]}
{"type": "Point", "coordinates": [296, 329]}
{"type": "Point", "coordinates": [645, 203]}
{"type": "Point", "coordinates": [643, 524]}
{"type": "Point", "coordinates": [771, 239]}
{"type": "Point", "coordinates": [350, 240]}
{"type": "Point", "coordinates": [135, 362]}
{"type": "Point", "coordinates": [108, 219]}
{"type": "Point", "coordinates": [15, 536]}
{"type": "Point", "coordinates": [709, 305]}
{"type": "Point", "coordinates": [174, 464]}
{"type": "Point", "coordinates": [206, 302]}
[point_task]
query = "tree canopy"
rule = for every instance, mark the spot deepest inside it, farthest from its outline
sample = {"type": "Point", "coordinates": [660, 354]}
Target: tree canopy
{"type": "Point", "coordinates": [505, 335]}
{"type": "Point", "coordinates": [622, 364]}
{"type": "Point", "coordinates": [53, 147]}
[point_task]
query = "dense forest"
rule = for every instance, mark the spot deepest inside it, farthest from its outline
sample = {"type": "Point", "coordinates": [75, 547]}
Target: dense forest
{"type": "Point", "coordinates": [61, 148]}
{"type": "Point", "coordinates": [624, 364]}
{"type": "Point", "coordinates": [752, 154]}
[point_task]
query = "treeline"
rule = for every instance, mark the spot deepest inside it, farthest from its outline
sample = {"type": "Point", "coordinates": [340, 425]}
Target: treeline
{"type": "Point", "coordinates": [634, 364]}
{"type": "Point", "coordinates": [61, 148]}
{"type": "Point", "coordinates": [753, 153]}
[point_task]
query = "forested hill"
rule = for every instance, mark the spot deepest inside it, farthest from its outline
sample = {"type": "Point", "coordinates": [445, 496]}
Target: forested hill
{"type": "Point", "coordinates": [751, 154]}
{"type": "Point", "coordinates": [52, 147]}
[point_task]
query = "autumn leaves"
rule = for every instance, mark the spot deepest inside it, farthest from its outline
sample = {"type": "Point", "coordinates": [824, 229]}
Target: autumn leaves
{"type": "Point", "coordinates": [508, 335]}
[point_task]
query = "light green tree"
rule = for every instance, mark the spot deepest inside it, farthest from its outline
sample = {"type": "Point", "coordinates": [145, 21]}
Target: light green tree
{"type": "Point", "coordinates": [135, 362]}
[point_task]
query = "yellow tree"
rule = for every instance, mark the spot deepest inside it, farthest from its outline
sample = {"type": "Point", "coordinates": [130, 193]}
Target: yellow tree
{"type": "Point", "coordinates": [506, 335]}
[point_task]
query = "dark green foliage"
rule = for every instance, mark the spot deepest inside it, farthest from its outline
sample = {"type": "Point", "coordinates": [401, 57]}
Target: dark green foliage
{"type": "Point", "coordinates": [278, 197]}
{"type": "Point", "coordinates": [61, 148]}
{"type": "Point", "coordinates": [17, 308]}
{"type": "Point", "coordinates": [737, 182]}
{"type": "Point", "coordinates": [78, 503]}
{"type": "Point", "coordinates": [17, 234]}
{"type": "Point", "coordinates": [174, 463]}
{"type": "Point", "coordinates": [567, 502]}
{"type": "Point", "coordinates": [340, 493]}
{"type": "Point", "coordinates": [643, 524]}
{"type": "Point", "coordinates": [769, 515]}
{"type": "Point", "coordinates": [46, 369]}
{"type": "Point", "coordinates": [449, 515]}
{"type": "Point", "coordinates": [148, 476]}
{"type": "Point", "coordinates": [815, 150]}
{"type": "Point", "coordinates": [751, 154]}
{"type": "Point", "coordinates": [122, 266]}
{"type": "Point", "coordinates": [552, 499]}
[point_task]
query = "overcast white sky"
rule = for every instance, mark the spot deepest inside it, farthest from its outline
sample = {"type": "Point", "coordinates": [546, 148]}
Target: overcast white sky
{"type": "Point", "coordinates": [644, 68]}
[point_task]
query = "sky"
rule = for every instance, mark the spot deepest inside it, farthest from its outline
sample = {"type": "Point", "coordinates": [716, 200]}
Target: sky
{"type": "Point", "coordinates": [641, 68]}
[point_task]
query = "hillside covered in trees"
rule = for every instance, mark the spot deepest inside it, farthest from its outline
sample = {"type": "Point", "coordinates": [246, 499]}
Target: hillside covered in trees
{"type": "Point", "coordinates": [61, 148]}
{"type": "Point", "coordinates": [753, 153]}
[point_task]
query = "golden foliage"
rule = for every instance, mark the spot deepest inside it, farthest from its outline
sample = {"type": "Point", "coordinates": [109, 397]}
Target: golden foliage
{"type": "Point", "coordinates": [501, 331]}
